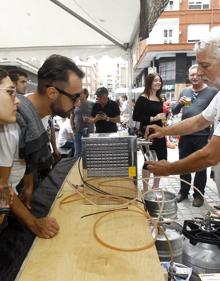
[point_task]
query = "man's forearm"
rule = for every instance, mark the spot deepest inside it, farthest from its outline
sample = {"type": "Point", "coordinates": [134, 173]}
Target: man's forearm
{"type": "Point", "coordinates": [187, 126]}
{"type": "Point", "coordinates": [4, 175]}
{"type": "Point", "coordinates": [114, 119]}
{"type": "Point", "coordinates": [22, 213]}
{"type": "Point", "coordinates": [53, 138]}
{"type": "Point", "coordinates": [199, 160]}
{"type": "Point", "coordinates": [28, 180]}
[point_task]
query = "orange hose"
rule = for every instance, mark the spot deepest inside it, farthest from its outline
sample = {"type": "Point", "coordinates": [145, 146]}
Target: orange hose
{"type": "Point", "coordinates": [112, 247]}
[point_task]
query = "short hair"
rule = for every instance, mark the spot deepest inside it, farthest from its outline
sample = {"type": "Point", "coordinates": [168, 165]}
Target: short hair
{"type": "Point", "coordinates": [85, 92]}
{"type": "Point", "coordinates": [14, 74]}
{"type": "Point", "coordinates": [56, 69]}
{"type": "Point", "coordinates": [3, 74]}
{"type": "Point", "coordinates": [193, 66]}
{"type": "Point", "coordinates": [212, 39]}
{"type": "Point", "coordinates": [101, 91]}
{"type": "Point", "coordinates": [124, 97]}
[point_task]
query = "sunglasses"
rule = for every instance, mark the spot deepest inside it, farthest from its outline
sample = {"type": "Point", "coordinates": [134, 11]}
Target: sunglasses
{"type": "Point", "coordinates": [73, 97]}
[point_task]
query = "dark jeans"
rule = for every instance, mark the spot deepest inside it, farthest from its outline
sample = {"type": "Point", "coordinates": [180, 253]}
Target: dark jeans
{"type": "Point", "coordinates": [188, 145]}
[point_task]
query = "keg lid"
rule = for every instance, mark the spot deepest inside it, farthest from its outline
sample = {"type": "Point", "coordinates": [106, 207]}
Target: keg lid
{"type": "Point", "coordinates": [159, 196]}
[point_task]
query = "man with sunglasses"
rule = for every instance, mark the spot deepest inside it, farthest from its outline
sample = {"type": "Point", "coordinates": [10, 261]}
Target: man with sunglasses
{"type": "Point", "coordinates": [59, 85]}
{"type": "Point", "coordinates": [11, 167]}
{"type": "Point", "coordinates": [208, 58]}
{"type": "Point", "coordinates": [192, 101]}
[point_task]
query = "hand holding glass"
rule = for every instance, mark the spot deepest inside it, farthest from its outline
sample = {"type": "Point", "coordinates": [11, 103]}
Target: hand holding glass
{"type": "Point", "coordinates": [188, 102]}
{"type": "Point", "coordinates": [163, 117]}
{"type": "Point", "coordinates": [151, 155]}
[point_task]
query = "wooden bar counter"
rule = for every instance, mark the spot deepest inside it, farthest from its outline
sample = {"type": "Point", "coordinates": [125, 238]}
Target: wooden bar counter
{"type": "Point", "coordinates": [75, 255]}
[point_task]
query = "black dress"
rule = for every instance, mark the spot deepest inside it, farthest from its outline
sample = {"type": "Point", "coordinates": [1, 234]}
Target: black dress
{"type": "Point", "coordinates": [143, 110]}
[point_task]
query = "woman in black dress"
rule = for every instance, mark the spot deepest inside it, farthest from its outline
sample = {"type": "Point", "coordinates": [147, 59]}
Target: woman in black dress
{"type": "Point", "coordinates": [148, 110]}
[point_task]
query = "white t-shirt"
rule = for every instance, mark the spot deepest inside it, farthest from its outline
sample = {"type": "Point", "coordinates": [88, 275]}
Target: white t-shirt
{"type": "Point", "coordinates": [64, 132]}
{"type": "Point", "coordinates": [9, 153]}
{"type": "Point", "coordinates": [212, 113]}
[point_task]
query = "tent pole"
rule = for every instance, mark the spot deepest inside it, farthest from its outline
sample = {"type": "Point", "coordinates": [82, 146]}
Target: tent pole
{"type": "Point", "coordinates": [68, 10]}
{"type": "Point", "coordinates": [129, 87]}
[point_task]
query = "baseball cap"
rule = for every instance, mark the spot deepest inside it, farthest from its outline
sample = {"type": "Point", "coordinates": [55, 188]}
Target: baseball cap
{"type": "Point", "coordinates": [101, 91]}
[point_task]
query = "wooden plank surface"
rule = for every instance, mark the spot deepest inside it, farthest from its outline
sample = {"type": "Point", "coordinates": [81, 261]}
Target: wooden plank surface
{"type": "Point", "coordinates": [75, 255]}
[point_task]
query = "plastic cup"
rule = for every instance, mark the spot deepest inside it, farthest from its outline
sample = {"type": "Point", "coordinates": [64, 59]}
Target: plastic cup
{"type": "Point", "coordinates": [164, 118]}
{"type": "Point", "coordinates": [188, 102]}
{"type": "Point", "coordinates": [151, 155]}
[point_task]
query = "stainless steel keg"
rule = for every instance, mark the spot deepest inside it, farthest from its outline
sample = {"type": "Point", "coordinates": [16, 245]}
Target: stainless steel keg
{"type": "Point", "coordinates": [173, 233]}
{"type": "Point", "coordinates": [159, 199]}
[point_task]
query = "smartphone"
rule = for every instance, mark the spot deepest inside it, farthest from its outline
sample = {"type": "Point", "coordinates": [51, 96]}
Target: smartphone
{"type": "Point", "coordinates": [101, 113]}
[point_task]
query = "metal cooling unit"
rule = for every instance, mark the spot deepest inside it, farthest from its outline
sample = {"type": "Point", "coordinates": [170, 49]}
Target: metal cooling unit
{"type": "Point", "coordinates": [109, 155]}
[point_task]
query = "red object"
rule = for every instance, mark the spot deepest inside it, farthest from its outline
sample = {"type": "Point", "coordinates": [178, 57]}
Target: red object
{"type": "Point", "coordinates": [166, 106]}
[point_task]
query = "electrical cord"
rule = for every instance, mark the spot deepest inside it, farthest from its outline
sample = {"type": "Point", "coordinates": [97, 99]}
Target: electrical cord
{"type": "Point", "coordinates": [98, 190]}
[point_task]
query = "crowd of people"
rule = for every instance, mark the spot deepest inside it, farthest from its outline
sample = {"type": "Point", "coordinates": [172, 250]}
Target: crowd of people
{"type": "Point", "coordinates": [208, 59]}
{"type": "Point", "coordinates": [25, 134]}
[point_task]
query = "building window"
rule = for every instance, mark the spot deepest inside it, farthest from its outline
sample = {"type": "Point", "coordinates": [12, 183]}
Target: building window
{"type": "Point", "coordinates": [169, 6]}
{"type": "Point", "coordinates": [167, 70]}
{"type": "Point", "coordinates": [197, 32]}
{"type": "Point", "coordinates": [199, 5]}
{"type": "Point", "coordinates": [168, 36]}
{"type": "Point", "coordinates": [168, 33]}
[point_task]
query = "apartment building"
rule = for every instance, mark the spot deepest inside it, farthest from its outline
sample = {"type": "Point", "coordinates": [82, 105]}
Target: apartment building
{"type": "Point", "coordinates": [90, 80]}
{"type": "Point", "coordinates": [169, 48]}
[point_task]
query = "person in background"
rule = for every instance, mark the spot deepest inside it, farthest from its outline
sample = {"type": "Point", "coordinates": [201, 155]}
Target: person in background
{"type": "Point", "coordinates": [19, 77]}
{"type": "Point", "coordinates": [42, 227]}
{"type": "Point", "coordinates": [66, 137]}
{"type": "Point", "coordinates": [166, 106]}
{"type": "Point", "coordinates": [124, 111]}
{"type": "Point", "coordinates": [78, 121]}
{"type": "Point", "coordinates": [199, 95]}
{"type": "Point", "coordinates": [105, 113]}
{"type": "Point", "coordinates": [208, 58]}
{"type": "Point", "coordinates": [148, 110]}
{"type": "Point", "coordinates": [124, 105]}
{"type": "Point", "coordinates": [48, 123]}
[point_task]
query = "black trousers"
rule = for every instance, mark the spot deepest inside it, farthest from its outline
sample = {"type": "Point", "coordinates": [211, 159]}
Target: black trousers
{"type": "Point", "coordinates": [188, 145]}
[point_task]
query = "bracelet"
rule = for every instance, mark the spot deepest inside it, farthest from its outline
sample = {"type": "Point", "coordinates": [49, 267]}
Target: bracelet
{"type": "Point", "coordinates": [107, 119]}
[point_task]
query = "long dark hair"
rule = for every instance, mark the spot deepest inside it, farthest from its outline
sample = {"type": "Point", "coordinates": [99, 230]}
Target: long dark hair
{"type": "Point", "coordinates": [148, 84]}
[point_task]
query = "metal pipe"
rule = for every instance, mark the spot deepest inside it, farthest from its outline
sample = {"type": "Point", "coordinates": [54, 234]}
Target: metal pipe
{"type": "Point", "coordinates": [68, 10]}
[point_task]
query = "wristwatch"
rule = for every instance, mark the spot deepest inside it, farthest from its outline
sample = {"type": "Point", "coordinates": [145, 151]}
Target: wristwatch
{"type": "Point", "coordinates": [107, 119]}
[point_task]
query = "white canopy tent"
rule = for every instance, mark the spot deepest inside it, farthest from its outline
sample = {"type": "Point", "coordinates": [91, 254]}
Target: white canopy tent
{"type": "Point", "coordinates": [31, 30]}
